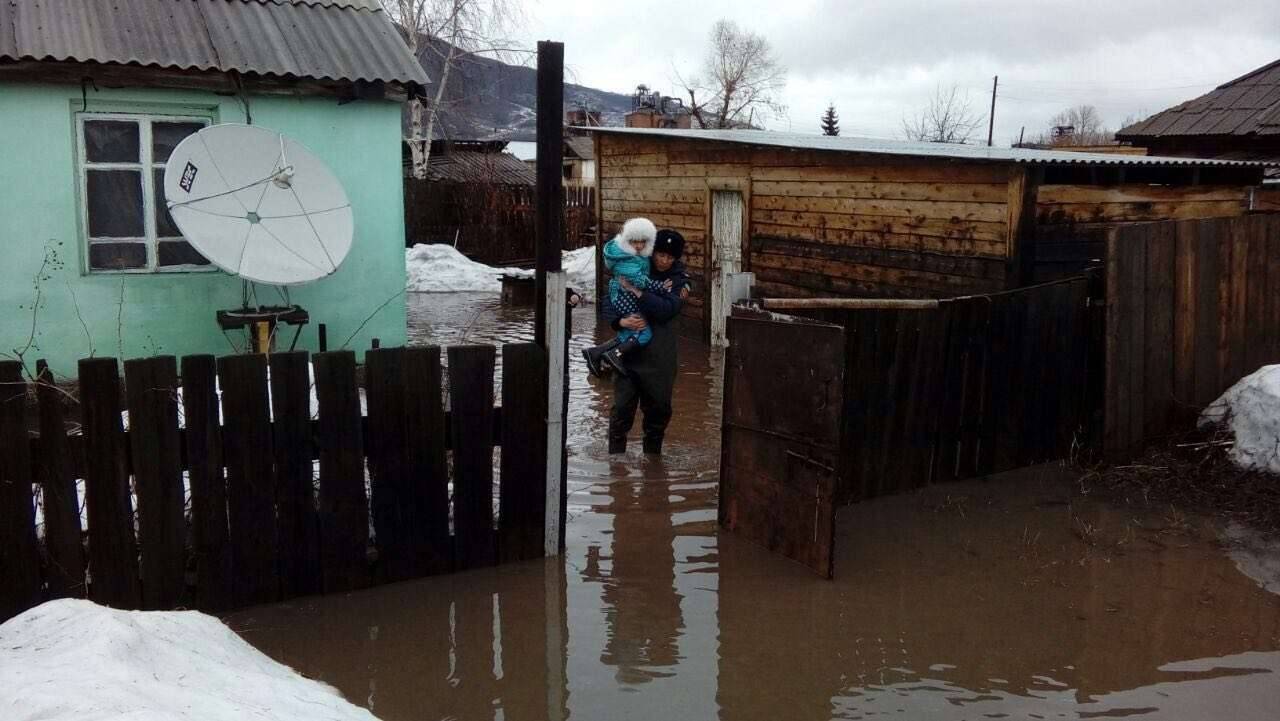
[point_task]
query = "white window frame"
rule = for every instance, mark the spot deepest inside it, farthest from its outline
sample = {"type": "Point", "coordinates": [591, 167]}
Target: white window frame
{"type": "Point", "coordinates": [147, 166]}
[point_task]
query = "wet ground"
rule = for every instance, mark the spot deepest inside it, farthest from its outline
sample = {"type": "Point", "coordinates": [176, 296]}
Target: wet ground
{"type": "Point", "coordinates": [1012, 597]}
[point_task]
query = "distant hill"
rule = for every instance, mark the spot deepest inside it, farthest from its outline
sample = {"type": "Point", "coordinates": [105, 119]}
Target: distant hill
{"type": "Point", "coordinates": [491, 100]}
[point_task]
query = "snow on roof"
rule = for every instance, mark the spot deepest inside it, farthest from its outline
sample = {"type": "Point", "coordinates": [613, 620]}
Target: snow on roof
{"type": "Point", "coordinates": [853, 144]}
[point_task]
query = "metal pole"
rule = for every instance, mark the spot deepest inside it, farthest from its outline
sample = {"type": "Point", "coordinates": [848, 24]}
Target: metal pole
{"type": "Point", "coordinates": [991, 122]}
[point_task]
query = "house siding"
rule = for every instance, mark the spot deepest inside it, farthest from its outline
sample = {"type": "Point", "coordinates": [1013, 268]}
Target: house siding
{"type": "Point", "coordinates": [133, 315]}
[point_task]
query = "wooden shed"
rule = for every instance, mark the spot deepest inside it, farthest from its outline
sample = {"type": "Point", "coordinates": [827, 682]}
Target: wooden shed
{"type": "Point", "coordinates": [857, 217]}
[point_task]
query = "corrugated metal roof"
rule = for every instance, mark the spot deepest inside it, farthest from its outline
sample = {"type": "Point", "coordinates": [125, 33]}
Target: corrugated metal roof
{"type": "Point", "coordinates": [342, 40]}
{"type": "Point", "coordinates": [851, 144]}
{"type": "Point", "coordinates": [1248, 105]}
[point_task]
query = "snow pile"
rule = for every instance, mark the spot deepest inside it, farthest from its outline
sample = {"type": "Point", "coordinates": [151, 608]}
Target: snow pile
{"type": "Point", "coordinates": [440, 268]}
{"type": "Point", "coordinates": [74, 660]}
{"type": "Point", "coordinates": [580, 271]}
{"type": "Point", "coordinates": [1251, 410]}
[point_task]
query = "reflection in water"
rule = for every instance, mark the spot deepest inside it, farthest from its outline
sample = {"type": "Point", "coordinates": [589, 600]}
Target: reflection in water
{"type": "Point", "coordinates": [1007, 598]}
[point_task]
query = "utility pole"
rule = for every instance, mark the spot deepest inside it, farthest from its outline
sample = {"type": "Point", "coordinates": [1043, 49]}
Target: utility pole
{"type": "Point", "coordinates": [550, 315]}
{"type": "Point", "coordinates": [991, 122]}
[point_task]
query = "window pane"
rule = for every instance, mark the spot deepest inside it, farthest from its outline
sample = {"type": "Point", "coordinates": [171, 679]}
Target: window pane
{"type": "Point", "coordinates": [180, 252]}
{"type": "Point", "coordinates": [165, 227]}
{"type": "Point", "coordinates": [115, 203]}
{"type": "Point", "coordinates": [111, 141]}
{"type": "Point", "coordinates": [117, 256]}
{"type": "Point", "coordinates": [166, 136]}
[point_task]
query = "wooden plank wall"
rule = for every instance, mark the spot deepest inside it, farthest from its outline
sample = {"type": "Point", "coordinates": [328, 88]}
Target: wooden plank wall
{"type": "Point", "coordinates": [1072, 221]}
{"type": "Point", "coordinates": [821, 224]}
{"type": "Point", "coordinates": [1192, 307]}
{"type": "Point", "coordinates": [973, 387]}
{"type": "Point", "coordinates": [257, 534]}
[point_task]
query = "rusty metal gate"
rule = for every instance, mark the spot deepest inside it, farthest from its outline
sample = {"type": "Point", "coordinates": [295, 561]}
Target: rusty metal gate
{"type": "Point", "coordinates": [781, 434]}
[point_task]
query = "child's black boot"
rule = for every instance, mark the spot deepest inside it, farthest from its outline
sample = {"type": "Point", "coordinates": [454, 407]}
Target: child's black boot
{"type": "Point", "coordinates": [595, 354]}
{"type": "Point", "coordinates": [615, 356]}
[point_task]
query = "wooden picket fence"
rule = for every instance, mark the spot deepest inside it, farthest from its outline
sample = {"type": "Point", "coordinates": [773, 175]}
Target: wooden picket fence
{"type": "Point", "coordinates": [280, 502]}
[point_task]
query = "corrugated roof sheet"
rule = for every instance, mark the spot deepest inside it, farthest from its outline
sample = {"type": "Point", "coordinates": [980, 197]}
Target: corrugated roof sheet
{"type": "Point", "coordinates": [471, 166]}
{"type": "Point", "coordinates": [340, 40]}
{"type": "Point", "coordinates": [851, 144]}
{"type": "Point", "coordinates": [1248, 105]}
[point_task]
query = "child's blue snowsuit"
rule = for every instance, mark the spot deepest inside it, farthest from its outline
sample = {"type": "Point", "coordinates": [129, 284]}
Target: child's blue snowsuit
{"type": "Point", "coordinates": [623, 262]}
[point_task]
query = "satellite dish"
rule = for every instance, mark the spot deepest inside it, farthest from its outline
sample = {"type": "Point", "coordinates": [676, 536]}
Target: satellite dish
{"type": "Point", "coordinates": [258, 204]}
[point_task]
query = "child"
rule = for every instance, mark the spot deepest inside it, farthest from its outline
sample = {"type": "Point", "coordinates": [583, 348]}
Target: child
{"type": "Point", "coordinates": [627, 258]}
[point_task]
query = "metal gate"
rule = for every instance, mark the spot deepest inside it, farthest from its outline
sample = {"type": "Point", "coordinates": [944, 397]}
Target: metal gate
{"type": "Point", "coordinates": [783, 400]}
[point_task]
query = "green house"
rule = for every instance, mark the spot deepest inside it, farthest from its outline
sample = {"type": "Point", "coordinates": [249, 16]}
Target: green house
{"type": "Point", "coordinates": [95, 95]}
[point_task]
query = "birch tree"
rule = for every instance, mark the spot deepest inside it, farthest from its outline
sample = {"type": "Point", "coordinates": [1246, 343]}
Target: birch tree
{"type": "Point", "coordinates": [740, 83]}
{"type": "Point", "coordinates": [451, 30]}
{"type": "Point", "coordinates": [948, 118]}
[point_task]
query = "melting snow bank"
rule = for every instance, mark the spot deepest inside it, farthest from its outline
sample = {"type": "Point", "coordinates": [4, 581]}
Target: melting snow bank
{"type": "Point", "coordinates": [439, 268]}
{"type": "Point", "coordinates": [74, 660]}
{"type": "Point", "coordinates": [1255, 555]}
{"type": "Point", "coordinates": [1251, 410]}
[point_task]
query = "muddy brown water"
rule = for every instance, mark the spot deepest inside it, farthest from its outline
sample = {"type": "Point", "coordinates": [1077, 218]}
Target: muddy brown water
{"type": "Point", "coordinates": [1012, 597]}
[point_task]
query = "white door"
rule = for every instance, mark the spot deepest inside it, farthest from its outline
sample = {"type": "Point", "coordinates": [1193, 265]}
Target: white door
{"type": "Point", "coordinates": [726, 256]}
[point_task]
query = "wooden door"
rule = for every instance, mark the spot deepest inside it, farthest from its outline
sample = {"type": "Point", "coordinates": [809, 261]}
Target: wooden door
{"type": "Point", "coordinates": [726, 257]}
{"type": "Point", "coordinates": [781, 431]}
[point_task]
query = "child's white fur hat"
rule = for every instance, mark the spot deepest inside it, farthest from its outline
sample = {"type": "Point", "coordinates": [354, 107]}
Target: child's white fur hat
{"type": "Point", "coordinates": [639, 229]}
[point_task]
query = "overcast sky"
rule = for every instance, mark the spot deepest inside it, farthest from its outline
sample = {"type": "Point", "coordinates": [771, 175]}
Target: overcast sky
{"type": "Point", "coordinates": [878, 60]}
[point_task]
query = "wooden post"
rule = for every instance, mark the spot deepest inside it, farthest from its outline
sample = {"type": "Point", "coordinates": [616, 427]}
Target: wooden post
{"type": "Point", "coordinates": [550, 187]}
{"type": "Point", "coordinates": [151, 387]}
{"type": "Point", "coordinates": [247, 452]}
{"type": "Point", "coordinates": [210, 536]}
{"type": "Point", "coordinates": [549, 320]}
{"type": "Point", "coordinates": [62, 531]}
{"type": "Point", "coordinates": [19, 554]}
{"type": "Point", "coordinates": [991, 119]}
{"type": "Point", "coordinates": [113, 553]}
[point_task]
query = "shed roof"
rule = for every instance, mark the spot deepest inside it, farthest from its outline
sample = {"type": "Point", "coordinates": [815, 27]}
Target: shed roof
{"type": "Point", "coordinates": [1248, 105]}
{"type": "Point", "coordinates": [338, 40]}
{"type": "Point", "coordinates": [471, 165]}
{"type": "Point", "coordinates": [582, 147]}
{"type": "Point", "coordinates": [852, 144]}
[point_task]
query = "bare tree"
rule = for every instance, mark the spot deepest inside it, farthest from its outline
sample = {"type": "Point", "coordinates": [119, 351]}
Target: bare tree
{"type": "Point", "coordinates": [948, 118]}
{"type": "Point", "coordinates": [740, 83]}
{"type": "Point", "coordinates": [1077, 125]}
{"type": "Point", "coordinates": [453, 30]}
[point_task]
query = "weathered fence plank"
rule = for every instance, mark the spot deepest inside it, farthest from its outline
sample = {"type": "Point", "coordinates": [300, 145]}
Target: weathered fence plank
{"type": "Point", "coordinates": [247, 453]}
{"type": "Point", "coordinates": [19, 553]}
{"type": "Point", "coordinates": [151, 385]}
{"type": "Point", "coordinates": [471, 404]}
{"type": "Point", "coordinates": [64, 574]}
{"type": "Point", "coordinates": [113, 555]}
{"type": "Point", "coordinates": [522, 491]}
{"type": "Point", "coordinates": [210, 537]}
{"type": "Point", "coordinates": [344, 506]}
{"type": "Point", "coordinates": [298, 526]}
{"type": "Point", "coordinates": [387, 449]}
{"type": "Point", "coordinates": [428, 467]}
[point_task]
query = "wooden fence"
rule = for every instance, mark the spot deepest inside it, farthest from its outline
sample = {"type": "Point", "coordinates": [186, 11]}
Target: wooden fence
{"type": "Point", "coordinates": [281, 503]}
{"type": "Point", "coordinates": [1192, 306]}
{"type": "Point", "coordinates": [971, 387]}
{"type": "Point", "coordinates": [489, 222]}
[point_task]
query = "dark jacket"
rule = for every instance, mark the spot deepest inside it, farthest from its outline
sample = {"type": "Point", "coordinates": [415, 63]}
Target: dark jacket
{"type": "Point", "coordinates": [657, 308]}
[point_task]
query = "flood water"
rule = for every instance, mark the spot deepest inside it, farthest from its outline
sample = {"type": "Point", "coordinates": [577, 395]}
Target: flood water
{"type": "Point", "coordinates": [1012, 597]}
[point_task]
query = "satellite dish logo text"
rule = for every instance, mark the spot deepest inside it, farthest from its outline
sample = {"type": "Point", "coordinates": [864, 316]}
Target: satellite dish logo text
{"type": "Point", "coordinates": [188, 177]}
